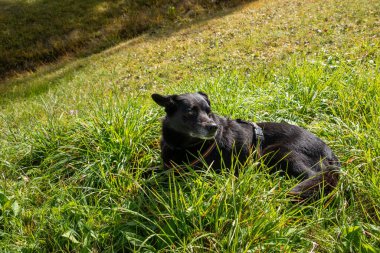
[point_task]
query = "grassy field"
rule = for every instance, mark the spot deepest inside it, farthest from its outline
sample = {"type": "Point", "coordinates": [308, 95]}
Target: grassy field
{"type": "Point", "coordinates": [79, 142]}
{"type": "Point", "coordinates": [36, 32]}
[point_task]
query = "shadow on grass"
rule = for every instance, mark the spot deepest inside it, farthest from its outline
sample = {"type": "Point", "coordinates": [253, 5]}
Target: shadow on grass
{"type": "Point", "coordinates": [37, 32]}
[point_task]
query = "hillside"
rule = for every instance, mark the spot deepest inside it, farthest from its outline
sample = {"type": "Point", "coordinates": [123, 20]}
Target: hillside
{"type": "Point", "coordinates": [79, 140]}
{"type": "Point", "coordinates": [35, 33]}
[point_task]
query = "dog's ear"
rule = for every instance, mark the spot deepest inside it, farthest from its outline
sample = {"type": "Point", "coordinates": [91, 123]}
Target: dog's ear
{"type": "Point", "coordinates": [162, 100]}
{"type": "Point", "coordinates": [205, 96]}
{"type": "Point", "coordinates": [165, 101]}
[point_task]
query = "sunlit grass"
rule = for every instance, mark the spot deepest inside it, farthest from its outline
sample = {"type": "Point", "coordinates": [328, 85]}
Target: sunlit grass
{"type": "Point", "coordinates": [80, 165]}
{"type": "Point", "coordinates": [38, 32]}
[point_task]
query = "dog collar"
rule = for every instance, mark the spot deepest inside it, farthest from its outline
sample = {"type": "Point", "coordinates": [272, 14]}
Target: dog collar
{"type": "Point", "coordinates": [259, 135]}
{"type": "Point", "coordinates": [259, 138]}
{"type": "Point", "coordinates": [171, 164]}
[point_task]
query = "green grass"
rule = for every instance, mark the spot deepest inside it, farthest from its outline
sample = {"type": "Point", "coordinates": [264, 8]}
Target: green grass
{"type": "Point", "coordinates": [36, 32]}
{"type": "Point", "coordinates": [79, 144]}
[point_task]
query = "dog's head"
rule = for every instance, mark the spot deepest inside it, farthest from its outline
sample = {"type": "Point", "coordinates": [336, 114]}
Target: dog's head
{"type": "Point", "coordinates": [188, 114]}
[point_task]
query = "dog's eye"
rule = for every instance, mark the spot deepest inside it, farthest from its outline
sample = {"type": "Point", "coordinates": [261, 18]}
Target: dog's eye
{"type": "Point", "coordinates": [192, 110]}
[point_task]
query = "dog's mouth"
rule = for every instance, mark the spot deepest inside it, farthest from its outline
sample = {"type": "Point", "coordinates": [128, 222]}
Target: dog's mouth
{"type": "Point", "coordinates": [204, 135]}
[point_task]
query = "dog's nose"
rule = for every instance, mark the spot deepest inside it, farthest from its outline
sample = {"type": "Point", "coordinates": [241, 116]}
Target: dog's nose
{"type": "Point", "coordinates": [212, 127]}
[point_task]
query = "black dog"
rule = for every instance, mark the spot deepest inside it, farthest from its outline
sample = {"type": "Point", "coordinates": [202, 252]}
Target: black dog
{"type": "Point", "coordinates": [193, 135]}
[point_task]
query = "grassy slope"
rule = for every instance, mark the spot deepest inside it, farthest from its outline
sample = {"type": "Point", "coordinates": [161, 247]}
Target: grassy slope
{"type": "Point", "coordinates": [77, 142]}
{"type": "Point", "coordinates": [35, 32]}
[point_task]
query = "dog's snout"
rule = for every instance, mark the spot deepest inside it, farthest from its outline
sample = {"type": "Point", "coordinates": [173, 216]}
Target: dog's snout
{"type": "Point", "coordinates": [212, 127]}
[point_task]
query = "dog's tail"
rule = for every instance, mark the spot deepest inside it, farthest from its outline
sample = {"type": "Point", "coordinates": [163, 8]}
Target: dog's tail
{"type": "Point", "coordinates": [319, 185]}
